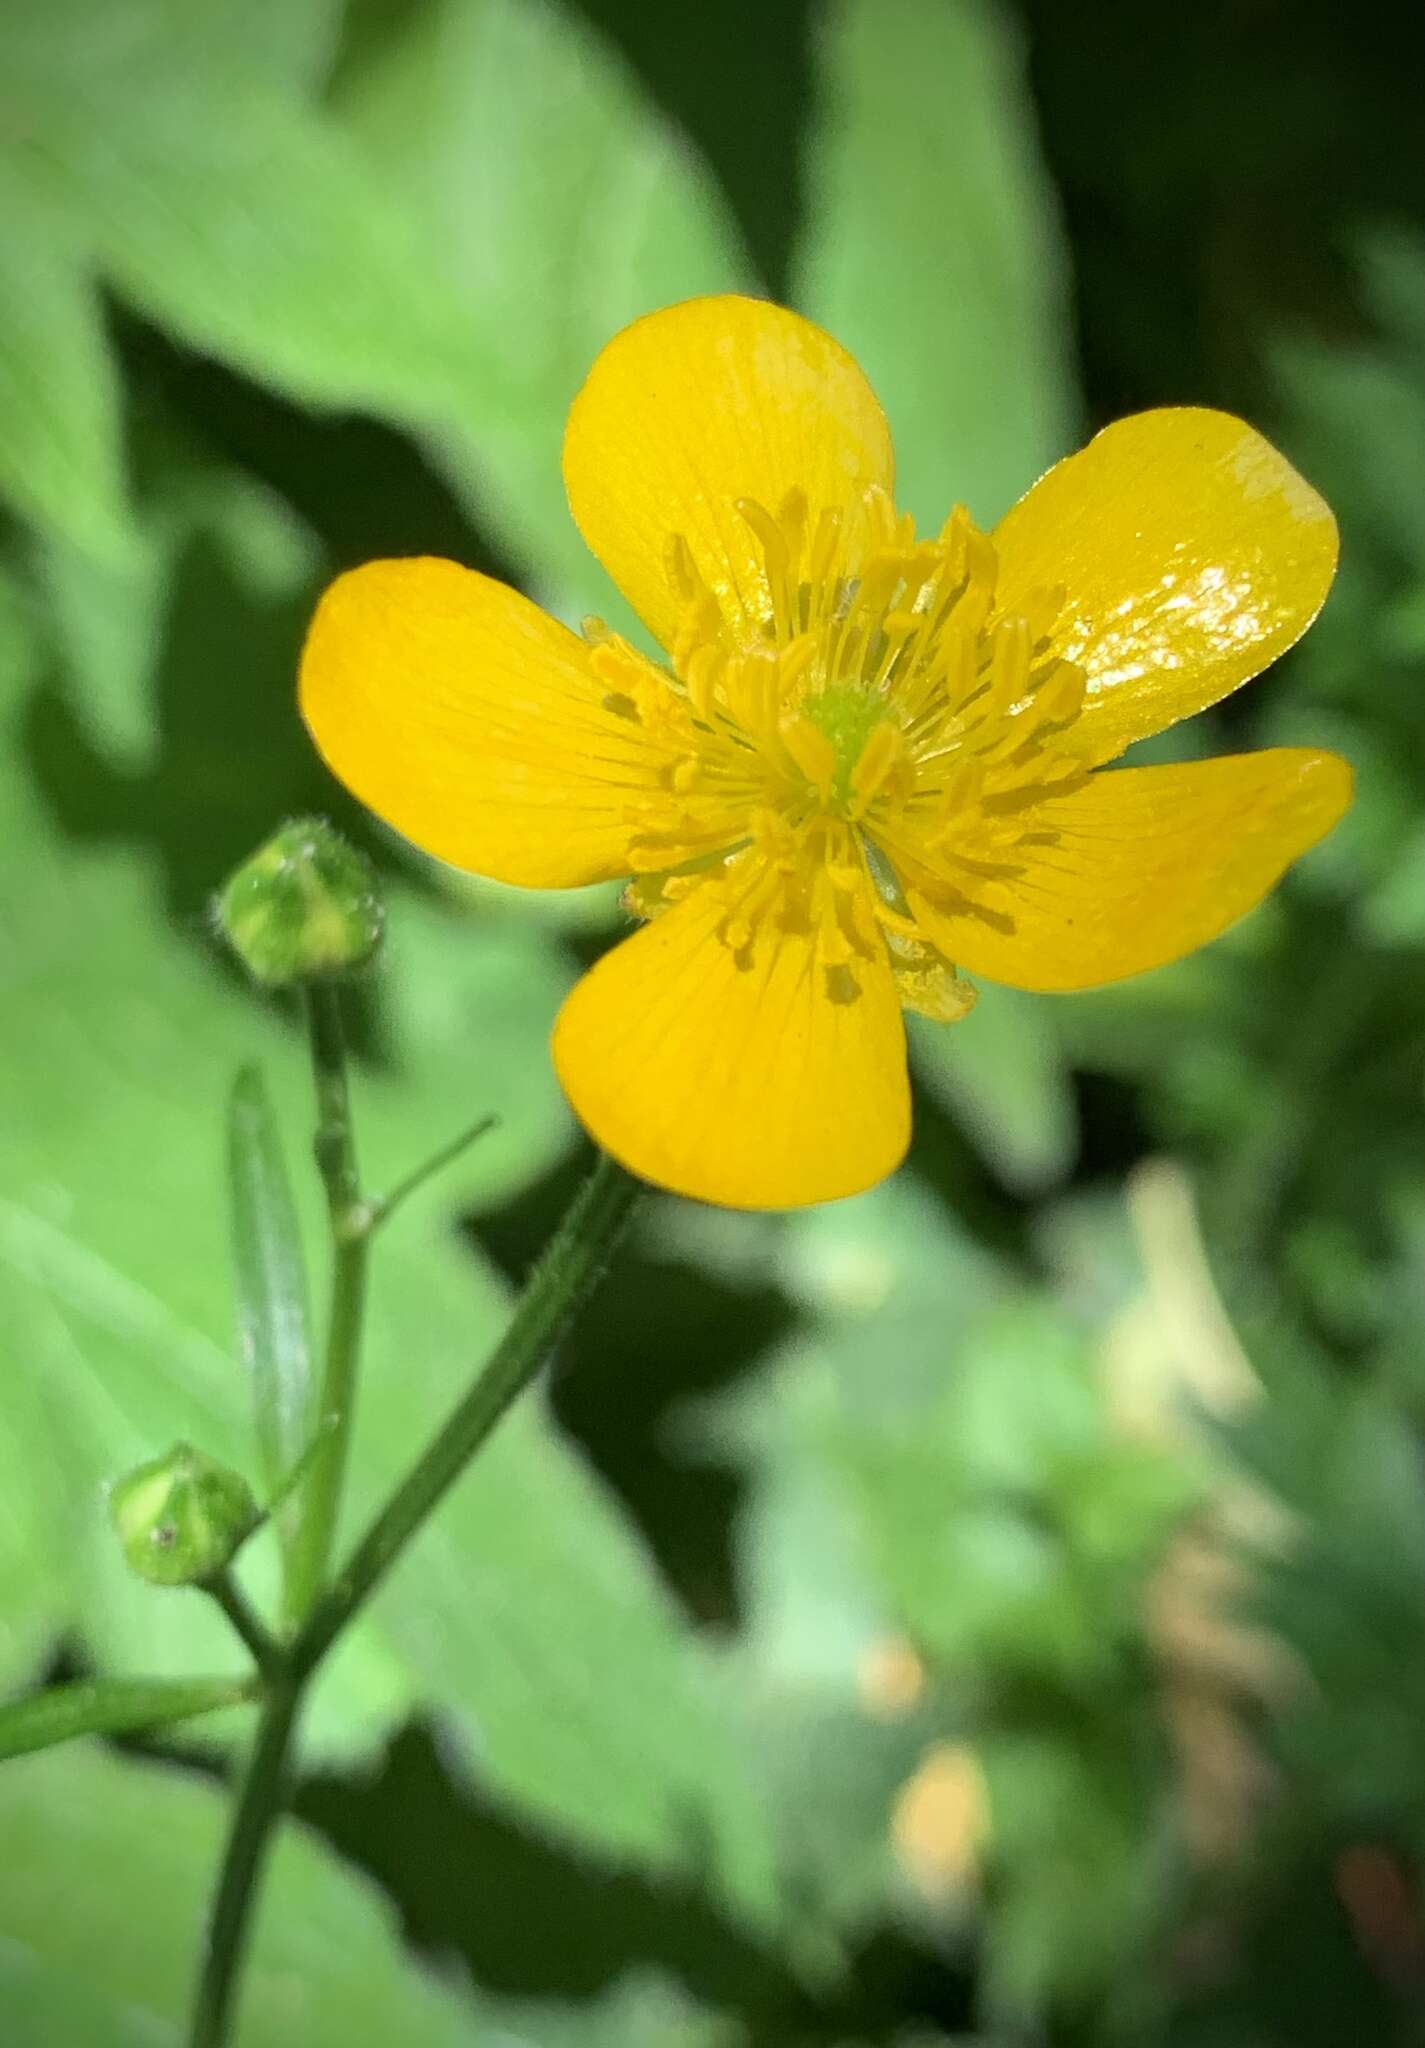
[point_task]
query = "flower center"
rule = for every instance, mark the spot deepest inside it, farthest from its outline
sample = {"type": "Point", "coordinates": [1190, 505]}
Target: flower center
{"type": "Point", "coordinates": [847, 715]}
{"type": "Point", "coordinates": [868, 727]}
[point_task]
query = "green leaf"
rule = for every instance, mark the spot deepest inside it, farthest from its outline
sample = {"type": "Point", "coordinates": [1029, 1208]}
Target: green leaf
{"type": "Point", "coordinates": [187, 166]}
{"type": "Point", "coordinates": [106, 1868]}
{"type": "Point", "coordinates": [107, 622]}
{"type": "Point", "coordinates": [1003, 1074]}
{"type": "Point", "coordinates": [274, 1322]}
{"type": "Point", "coordinates": [61, 413]}
{"type": "Point", "coordinates": [933, 247]}
{"type": "Point", "coordinates": [529, 1613]}
{"type": "Point", "coordinates": [564, 205]}
{"type": "Point", "coordinates": [111, 1706]}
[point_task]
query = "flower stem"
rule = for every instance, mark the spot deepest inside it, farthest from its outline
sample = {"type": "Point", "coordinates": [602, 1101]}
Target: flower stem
{"type": "Point", "coordinates": [335, 1150]}
{"type": "Point", "coordinates": [571, 1266]}
{"type": "Point", "coordinates": [261, 1801]}
{"type": "Point", "coordinates": [246, 1622]}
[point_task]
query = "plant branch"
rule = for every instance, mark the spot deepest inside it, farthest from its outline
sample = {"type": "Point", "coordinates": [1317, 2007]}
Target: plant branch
{"type": "Point", "coordinates": [381, 1207]}
{"type": "Point", "coordinates": [246, 1622]}
{"type": "Point", "coordinates": [335, 1150]}
{"type": "Point", "coordinates": [567, 1273]}
{"type": "Point", "coordinates": [259, 1805]}
{"type": "Point", "coordinates": [569, 1269]}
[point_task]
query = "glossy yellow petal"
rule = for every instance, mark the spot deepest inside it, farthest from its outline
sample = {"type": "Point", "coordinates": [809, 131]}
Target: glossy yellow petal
{"type": "Point", "coordinates": [1143, 865]}
{"type": "Point", "coordinates": [743, 1084]}
{"type": "Point", "coordinates": [692, 408]}
{"type": "Point", "coordinates": [1191, 554]}
{"type": "Point", "coordinates": [472, 722]}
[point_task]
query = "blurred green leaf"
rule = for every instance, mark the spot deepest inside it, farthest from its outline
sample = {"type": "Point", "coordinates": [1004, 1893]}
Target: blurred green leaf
{"type": "Point", "coordinates": [61, 447]}
{"type": "Point", "coordinates": [1393, 914]}
{"type": "Point", "coordinates": [529, 1612]}
{"type": "Point", "coordinates": [108, 623]}
{"type": "Point", "coordinates": [274, 1320]}
{"type": "Point", "coordinates": [110, 1706]}
{"type": "Point", "coordinates": [225, 209]}
{"type": "Point", "coordinates": [106, 1867]}
{"type": "Point", "coordinates": [1073, 1852]}
{"type": "Point", "coordinates": [564, 204]}
{"type": "Point", "coordinates": [1003, 1074]}
{"type": "Point", "coordinates": [932, 247]}
{"type": "Point", "coordinates": [641, 2011]}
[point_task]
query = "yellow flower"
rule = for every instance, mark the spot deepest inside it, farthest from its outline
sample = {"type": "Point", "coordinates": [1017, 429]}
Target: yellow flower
{"type": "Point", "coordinates": [870, 758]}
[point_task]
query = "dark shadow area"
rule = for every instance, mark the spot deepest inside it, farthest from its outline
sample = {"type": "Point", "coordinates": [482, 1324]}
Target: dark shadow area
{"type": "Point", "coordinates": [738, 79]}
{"type": "Point", "coordinates": [363, 488]}
{"type": "Point", "coordinates": [414, 1823]}
{"type": "Point", "coordinates": [1199, 160]}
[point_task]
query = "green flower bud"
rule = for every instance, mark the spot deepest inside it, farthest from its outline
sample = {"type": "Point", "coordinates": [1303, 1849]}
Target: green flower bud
{"type": "Point", "coordinates": [304, 907]}
{"type": "Point", "coordinates": [182, 1517]}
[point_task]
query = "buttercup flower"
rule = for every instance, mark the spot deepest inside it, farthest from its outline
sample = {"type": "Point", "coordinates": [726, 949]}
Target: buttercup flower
{"type": "Point", "coordinates": [870, 759]}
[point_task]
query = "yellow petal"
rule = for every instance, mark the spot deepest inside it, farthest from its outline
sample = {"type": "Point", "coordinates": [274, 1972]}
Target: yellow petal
{"type": "Point", "coordinates": [740, 1084]}
{"type": "Point", "coordinates": [1192, 555]}
{"type": "Point", "coordinates": [692, 408]}
{"type": "Point", "coordinates": [1143, 865]}
{"type": "Point", "coordinates": [472, 722]}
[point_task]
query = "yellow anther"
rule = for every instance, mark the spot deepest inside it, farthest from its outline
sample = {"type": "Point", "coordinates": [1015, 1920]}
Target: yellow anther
{"type": "Point", "coordinates": [960, 789]}
{"type": "Point", "coordinates": [774, 838]}
{"type": "Point", "coordinates": [882, 751]}
{"type": "Point", "coordinates": [1060, 696]}
{"type": "Point", "coordinates": [1009, 663]}
{"type": "Point", "coordinates": [797, 661]}
{"type": "Point", "coordinates": [843, 875]}
{"type": "Point", "coordinates": [960, 654]}
{"type": "Point", "coordinates": [881, 523]}
{"type": "Point", "coordinates": [750, 691]}
{"type": "Point", "coordinates": [825, 546]}
{"type": "Point", "coordinates": [701, 622]}
{"type": "Point", "coordinates": [701, 675]}
{"type": "Point", "coordinates": [682, 571]}
{"type": "Point", "coordinates": [773, 540]}
{"type": "Point", "coordinates": [1041, 608]}
{"type": "Point", "coordinates": [955, 540]}
{"type": "Point", "coordinates": [812, 752]}
{"type": "Point", "coordinates": [792, 518]}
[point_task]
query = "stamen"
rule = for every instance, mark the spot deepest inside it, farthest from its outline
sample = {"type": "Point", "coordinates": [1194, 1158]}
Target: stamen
{"type": "Point", "coordinates": [880, 755]}
{"type": "Point", "coordinates": [863, 761]}
{"type": "Point", "coordinates": [812, 752]}
{"type": "Point", "coordinates": [776, 562]}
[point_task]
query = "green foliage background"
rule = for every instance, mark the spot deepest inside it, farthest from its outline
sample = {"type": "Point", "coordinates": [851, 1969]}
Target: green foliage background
{"type": "Point", "coordinates": [1111, 1404]}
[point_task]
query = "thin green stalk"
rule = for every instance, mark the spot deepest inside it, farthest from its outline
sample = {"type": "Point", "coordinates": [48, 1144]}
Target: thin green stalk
{"type": "Point", "coordinates": [351, 1243]}
{"type": "Point", "coordinates": [567, 1273]}
{"type": "Point", "coordinates": [263, 1796]}
{"type": "Point", "coordinates": [571, 1266]}
{"type": "Point", "coordinates": [381, 1208]}
{"type": "Point", "coordinates": [247, 1624]}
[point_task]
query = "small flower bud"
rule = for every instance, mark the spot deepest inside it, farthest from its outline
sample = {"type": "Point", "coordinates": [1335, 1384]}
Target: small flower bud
{"type": "Point", "coordinates": [182, 1517]}
{"type": "Point", "coordinates": [304, 907]}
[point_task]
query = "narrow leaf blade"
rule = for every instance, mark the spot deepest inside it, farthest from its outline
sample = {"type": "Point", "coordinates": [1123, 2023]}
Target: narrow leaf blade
{"type": "Point", "coordinates": [274, 1320]}
{"type": "Point", "coordinates": [111, 1706]}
